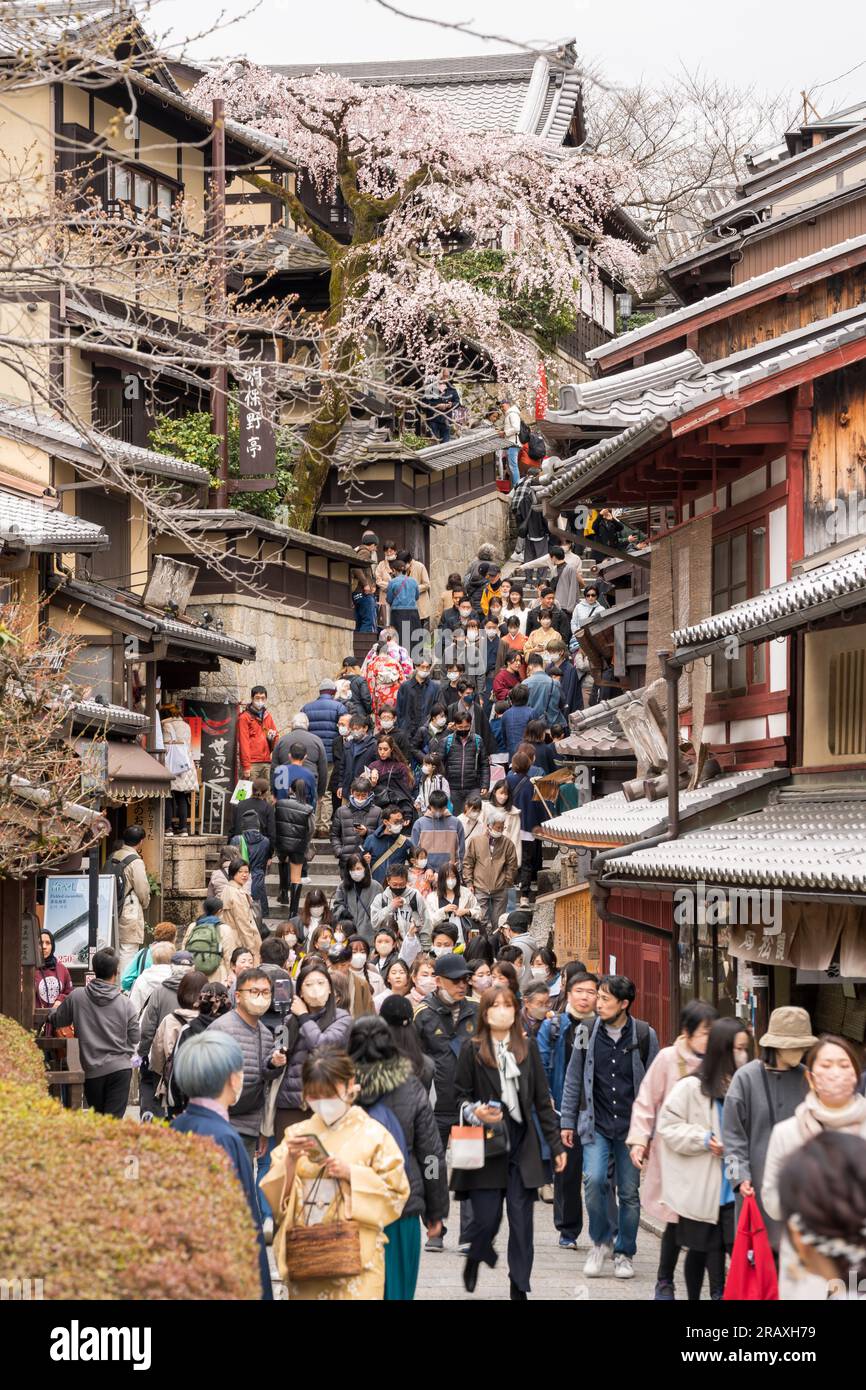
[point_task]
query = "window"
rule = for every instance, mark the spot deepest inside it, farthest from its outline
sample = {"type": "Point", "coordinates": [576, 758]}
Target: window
{"type": "Point", "coordinates": [142, 193]}
{"type": "Point", "coordinates": [91, 671]}
{"type": "Point", "coordinates": [739, 572]}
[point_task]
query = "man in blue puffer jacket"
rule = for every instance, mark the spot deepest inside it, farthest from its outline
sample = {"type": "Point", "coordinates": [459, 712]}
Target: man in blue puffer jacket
{"type": "Point", "coordinates": [323, 715]}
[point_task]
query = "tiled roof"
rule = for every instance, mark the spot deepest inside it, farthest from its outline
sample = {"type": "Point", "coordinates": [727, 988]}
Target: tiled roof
{"type": "Point", "coordinates": [664, 407]}
{"type": "Point", "coordinates": [462, 449]}
{"type": "Point", "coordinates": [63, 440]}
{"type": "Point", "coordinates": [531, 92]}
{"type": "Point", "coordinates": [725, 297]}
{"type": "Point", "coordinates": [280, 250]}
{"type": "Point", "coordinates": [620, 400]}
{"type": "Point", "coordinates": [179, 634]}
{"type": "Point", "coordinates": [614, 819]}
{"type": "Point", "coordinates": [34, 526]}
{"type": "Point", "coordinates": [798, 841]}
{"type": "Point", "coordinates": [597, 732]}
{"type": "Point", "coordinates": [816, 593]}
{"type": "Point", "coordinates": [825, 159]}
{"type": "Point", "coordinates": [97, 715]}
{"type": "Point", "coordinates": [232, 519]}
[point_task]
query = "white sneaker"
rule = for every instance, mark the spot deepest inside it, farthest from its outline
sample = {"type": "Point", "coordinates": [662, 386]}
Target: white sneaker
{"type": "Point", "coordinates": [595, 1261]}
{"type": "Point", "coordinates": [622, 1267]}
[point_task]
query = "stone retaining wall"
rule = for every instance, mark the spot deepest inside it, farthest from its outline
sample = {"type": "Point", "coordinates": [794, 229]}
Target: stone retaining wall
{"type": "Point", "coordinates": [469, 525]}
{"type": "Point", "coordinates": [295, 649]}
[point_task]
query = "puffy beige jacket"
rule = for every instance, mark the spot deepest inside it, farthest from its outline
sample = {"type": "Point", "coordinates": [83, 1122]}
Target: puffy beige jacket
{"type": "Point", "coordinates": [418, 572]}
{"type": "Point", "coordinates": [130, 927]}
{"type": "Point", "coordinates": [239, 924]}
{"type": "Point", "coordinates": [691, 1175]}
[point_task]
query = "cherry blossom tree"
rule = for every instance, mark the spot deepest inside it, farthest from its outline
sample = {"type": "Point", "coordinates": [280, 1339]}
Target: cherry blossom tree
{"type": "Point", "coordinates": [419, 187]}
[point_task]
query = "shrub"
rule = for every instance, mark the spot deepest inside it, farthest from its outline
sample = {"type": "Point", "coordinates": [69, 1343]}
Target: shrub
{"type": "Point", "coordinates": [106, 1209]}
{"type": "Point", "coordinates": [20, 1057]}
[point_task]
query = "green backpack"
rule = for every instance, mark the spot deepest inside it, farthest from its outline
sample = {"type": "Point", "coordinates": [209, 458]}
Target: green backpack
{"type": "Point", "coordinates": [203, 944]}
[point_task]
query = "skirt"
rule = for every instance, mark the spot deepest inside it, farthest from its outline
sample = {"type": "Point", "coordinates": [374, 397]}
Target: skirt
{"type": "Point", "coordinates": [402, 1259]}
{"type": "Point", "coordinates": [706, 1236]}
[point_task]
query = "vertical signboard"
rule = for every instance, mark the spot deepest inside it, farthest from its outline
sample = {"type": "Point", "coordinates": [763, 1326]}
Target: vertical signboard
{"type": "Point", "coordinates": [218, 745]}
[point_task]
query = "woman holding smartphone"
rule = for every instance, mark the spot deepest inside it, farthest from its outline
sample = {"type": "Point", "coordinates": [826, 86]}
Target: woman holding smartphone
{"type": "Point", "coordinates": [339, 1165]}
{"type": "Point", "coordinates": [500, 1084]}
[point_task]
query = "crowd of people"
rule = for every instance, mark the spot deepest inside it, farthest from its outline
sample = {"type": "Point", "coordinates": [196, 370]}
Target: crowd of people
{"type": "Point", "coordinates": [372, 1054]}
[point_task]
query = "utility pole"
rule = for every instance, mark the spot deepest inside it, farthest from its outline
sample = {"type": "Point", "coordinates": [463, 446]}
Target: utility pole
{"type": "Point", "coordinates": [217, 230]}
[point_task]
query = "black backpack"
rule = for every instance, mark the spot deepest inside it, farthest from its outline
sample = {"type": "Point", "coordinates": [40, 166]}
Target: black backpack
{"type": "Point", "coordinates": [523, 432]}
{"type": "Point", "coordinates": [117, 867]}
{"type": "Point", "coordinates": [536, 447]}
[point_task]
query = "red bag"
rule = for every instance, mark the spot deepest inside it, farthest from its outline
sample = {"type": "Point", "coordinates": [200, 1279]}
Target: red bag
{"type": "Point", "coordinates": [752, 1274]}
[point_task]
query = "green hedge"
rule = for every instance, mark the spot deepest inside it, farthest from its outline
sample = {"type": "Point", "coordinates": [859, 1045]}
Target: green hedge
{"type": "Point", "coordinates": [105, 1209]}
{"type": "Point", "coordinates": [20, 1057]}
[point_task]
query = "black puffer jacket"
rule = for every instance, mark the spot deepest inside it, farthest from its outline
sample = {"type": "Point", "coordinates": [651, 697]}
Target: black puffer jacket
{"type": "Point", "coordinates": [441, 1038]}
{"type": "Point", "coordinates": [395, 1084]}
{"type": "Point", "coordinates": [345, 839]}
{"type": "Point", "coordinates": [295, 820]}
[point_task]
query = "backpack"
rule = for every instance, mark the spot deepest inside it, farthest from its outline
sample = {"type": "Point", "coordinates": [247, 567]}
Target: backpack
{"type": "Point", "coordinates": [536, 447]}
{"type": "Point", "coordinates": [449, 742]}
{"type": "Point", "coordinates": [117, 867]}
{"type": "Point", "coordinates": [523, 432]}
{"type": "Point", "coordinates": [175, 1100]}
{"type": "Point", "coordinates": [203, 944]}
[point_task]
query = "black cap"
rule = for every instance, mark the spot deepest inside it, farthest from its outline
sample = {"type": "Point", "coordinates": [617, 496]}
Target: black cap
{"type": "Point", "coordinates": [519, 920]}
{"type": "Point", "coordinates": [451, 967]}
{"type": "Point", "coordinates": [338, 955]}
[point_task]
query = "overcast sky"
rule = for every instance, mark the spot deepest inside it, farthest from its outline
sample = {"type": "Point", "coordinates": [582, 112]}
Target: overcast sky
{"type": "Point", "coordinates": [776, 44]}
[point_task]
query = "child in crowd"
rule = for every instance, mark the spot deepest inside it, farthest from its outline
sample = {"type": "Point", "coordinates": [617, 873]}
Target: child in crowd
{"type": "Point", "coordinates": [432, 779]}
{"type": "Point", "coordinates": [421, 876]}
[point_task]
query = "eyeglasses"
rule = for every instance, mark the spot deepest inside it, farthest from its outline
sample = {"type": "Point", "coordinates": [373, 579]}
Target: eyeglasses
{"type": "Point", "coordinates": [256, 993]}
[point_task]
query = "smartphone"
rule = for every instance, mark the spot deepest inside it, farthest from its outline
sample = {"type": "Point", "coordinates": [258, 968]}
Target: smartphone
{"type": "Point", "coordinates": [315, 1148]}
{"type": "Point", "coordinates": [494, 1104]}
{"type": "Point", "coordinates": [283, 991]}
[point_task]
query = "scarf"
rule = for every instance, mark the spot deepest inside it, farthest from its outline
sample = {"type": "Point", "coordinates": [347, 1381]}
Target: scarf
{"type": "Point", "coordinates": [509, 1072]}
{"type": "Point", "coordinates": [813, 1117]}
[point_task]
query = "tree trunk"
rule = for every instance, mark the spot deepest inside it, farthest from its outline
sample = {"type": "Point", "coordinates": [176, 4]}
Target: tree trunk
{"type": "Point", "coordinates": [313, 466]}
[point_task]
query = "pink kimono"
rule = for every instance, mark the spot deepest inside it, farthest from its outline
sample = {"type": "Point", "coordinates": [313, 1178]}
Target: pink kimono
{"type": "Point", "coordinates": [669, 1067]}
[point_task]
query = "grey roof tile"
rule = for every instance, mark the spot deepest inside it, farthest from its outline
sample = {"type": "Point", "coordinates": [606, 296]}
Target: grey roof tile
{"type": "Point", "coordinates": [462, 449]}
{"type": "Point", "coordinates": [233, 519]}
{"type": "Point", "coordinates": [124, 605]}
{"type": "Point", "coordinates": [613, 818]}
{"type": "Point", "coordinates": [726, 297]}
{"type": "Point", "coordinates": [280, 250]}
{"type": "Point", "coordinates": [25, 523]}
{"type": "Point", "coordinates": [818, 592]}
{"type": "Point", "coordinates": [62, 439]}
{"type": "Point", "coordinates": [795, 842]}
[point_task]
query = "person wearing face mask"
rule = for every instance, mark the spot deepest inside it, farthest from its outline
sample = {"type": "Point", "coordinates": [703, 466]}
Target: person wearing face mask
{"type": "Point", "coordinates": [450, 601]}
{"type": "Point", "coordinates": [392, 778]}
{"type": "Point", "coordinates": [556, 1038]}
{"type": "Point", "coordinates": [472, 819]}
{"type": "Point", "coordinates": [832, 1105]}
{"type": "Point", "coordinates": [320, 940]}
{"type": "Point", "coordinates": [354, 897]}
{"type": "Point", "coordinates": [444, 941]}
{"type": "Point", "coordinates": [364, 1177]}
{"type": "Point", "coordinates": [405, 905]}
{"type": "Point", "coordinates": [500, 1081]}
{"type": "Point", "coordinates": [673, 1063]}
{"type": "Point", "coordinates": [386, 723]}
{"type": "Point", "coordinates": [467, 764]}
{"type": "Point", "coordinates": [358, 817]}
{"type": "Point", "coordinates": [542, 966]}
{"type": "Point", "coordinates": [257, 734]}
{"type": "Point", "coordinates": [339, 748]}
{"type": "Point", "coordinates": [439, 834]}
{"type": "Point", "coordinates": [359, 997]}
{"type": "Point", "coordinates": [416, 698]}
{"type": "Point", "coordinates": [313, 912]}
{"type": "Point", "coordinates": [454, 905]}
{"type": "Point", "coordinates": [601, 1083]}
{"type": "Point", "coordinates": [428, 739]}
{"type": "Point", "coordinates": [421, 877]}
{"type": "Point", "coordinates": [238, 919]}
{"type": "Point", "coordinates": [480, 980]}
{"type": "Point", "coordinates": [262, 1059]}
{"type": "Point", "coordinates": [444, 1021]}
{"type": "Point", "coordinates": [210, 1069]}
{"type": "Point", "coordinates": [695, 1168]}
{"type": "Point", "coordinates": [432, 779]}
{"type": "Point", "coordinates": [314, 1022]}
{"type": "Point", "coordinates": [388, 846]}
{"type": "Point", "coordinates": [761, 1095]}
{"type": "Point", "coordinates": [490, 868]}
{"type": "Point", "coordinates": [360, 752]}
{"type": "Point", "coordinates": [423, 981]}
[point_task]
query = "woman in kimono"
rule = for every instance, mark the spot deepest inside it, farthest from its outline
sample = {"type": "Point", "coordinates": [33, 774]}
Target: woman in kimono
{"type": "Point", "coordinates": [363, 1179]}
{"type": "Point", "coordinates": [384, 674]}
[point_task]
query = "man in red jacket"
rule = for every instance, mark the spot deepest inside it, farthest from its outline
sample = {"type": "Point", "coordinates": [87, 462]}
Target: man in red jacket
{"type": "Point", "coordinates": [257, 734]}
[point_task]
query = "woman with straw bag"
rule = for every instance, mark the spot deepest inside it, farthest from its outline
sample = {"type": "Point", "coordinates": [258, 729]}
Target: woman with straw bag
{"type": "Point", "coordinates": [335, 1182]}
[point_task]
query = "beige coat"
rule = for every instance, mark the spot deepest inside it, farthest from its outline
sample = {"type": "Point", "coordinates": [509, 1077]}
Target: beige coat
{"type": "Point", "coordinates": [691, 1175]}
{"type": "Point", "coordinates": [418, 572]}
{"type": "Point", "coordinates": [512, 824]}
{"type": "Point", "coordinates": [810, 1118]}
{"type": "Point", "coordinates": [670, 1066]}
{"type": "Point", "coordinates": [130, 928]}
{"type": "Point", "coordinates": [489, 872]}
{"type": "Point", "coordinates": [239, 923]}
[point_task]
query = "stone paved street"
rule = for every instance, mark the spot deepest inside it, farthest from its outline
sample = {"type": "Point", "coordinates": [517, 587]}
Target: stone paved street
{"type": "Point", "coordinates": [557, 1274]}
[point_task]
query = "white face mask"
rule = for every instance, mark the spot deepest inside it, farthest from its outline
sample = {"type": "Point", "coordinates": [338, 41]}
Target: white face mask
{"type": "Point", "coordinates": [442, 950]}
{"type": "Point", "coordinates": [316, 996]}
{"type": "Point", "coordinates": [386, 723]}
{"type": "Point", "coordinates": [357, 874]}
{"type": "Point", "coordinates": [358, 962]}
{"type": "Point", "coordinates": [500, 1018]}
{"type": "Point", "coordinates": [290, 939]}
{"type": "Point", "coordinates": [420, 863]}
{"type": "Point", "coordinates": [256, 1007]}
{"type": "Point", "coordinates": [497, 834]}
{"type": "Point", "coordinates": [425, 984]}
{"type": "Point", "coordinates": [450, 883]}
{"type": "Point", "coordinates": [741, 1056]}
{"type": "Point", "coordinates": [439, 724]}
{"type": "Point", "coordinates": [427, 769]}
{"type": "Point", "coordinates": [317, 912]}
{"type": "Point", "coordinates": [339, 936]}
{"type": "Point", "coordinates": [330, 1110]}
{"type": "Point", "coordinates": [480, 982]}
{"type": "Point", "coordinates": [539, 972]}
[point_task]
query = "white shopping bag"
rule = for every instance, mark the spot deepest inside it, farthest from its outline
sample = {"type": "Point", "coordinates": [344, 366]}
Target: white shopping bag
{"type": "Point", "coordinates": [242, 792]}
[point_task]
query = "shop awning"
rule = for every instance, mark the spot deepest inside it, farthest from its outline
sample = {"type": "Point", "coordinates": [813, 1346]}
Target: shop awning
{"type": "Point", "coordinates": [133, 773]}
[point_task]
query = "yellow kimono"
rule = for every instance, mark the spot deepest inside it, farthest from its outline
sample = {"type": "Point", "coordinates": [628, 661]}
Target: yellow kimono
{"type": "Point", "coordinates": [374, 1196]}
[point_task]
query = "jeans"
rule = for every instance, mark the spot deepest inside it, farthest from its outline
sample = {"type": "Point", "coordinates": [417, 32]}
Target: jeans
{"type": "Point", "coordinates": [597, 1189]}
{"type": "Point", "coordinates": [513, 451]}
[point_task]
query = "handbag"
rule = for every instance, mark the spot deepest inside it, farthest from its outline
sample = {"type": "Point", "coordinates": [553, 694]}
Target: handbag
{"type": "Point", "coordinates": [330, 1250]}
{"type": "Point", "coordinates": [473, 1145]}
{"type": "Point", "coordinates": [752, 1271]}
